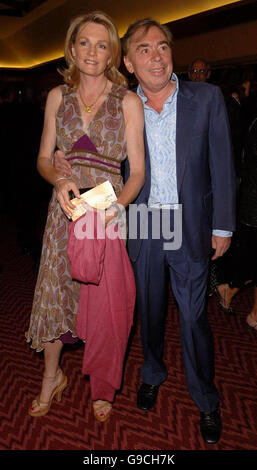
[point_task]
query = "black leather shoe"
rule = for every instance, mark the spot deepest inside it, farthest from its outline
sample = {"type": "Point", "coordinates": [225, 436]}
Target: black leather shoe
{"type": "Point", "coordinates": [146, 396]}
{"type": "Point", "coordinates": [211, 426]}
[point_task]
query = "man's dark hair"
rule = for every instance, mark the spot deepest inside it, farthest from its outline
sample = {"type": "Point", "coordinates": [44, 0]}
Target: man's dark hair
{"type": "Point", "coordinates": [146, 24]}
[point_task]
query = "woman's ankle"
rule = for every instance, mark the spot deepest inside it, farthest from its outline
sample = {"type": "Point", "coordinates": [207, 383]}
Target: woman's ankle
{"type": "Point", "coordinates": [227, 293]}
{"type": "Point", "coordinates": [253, 314]}
{"type": "Point", "coordinates": [51, 373]}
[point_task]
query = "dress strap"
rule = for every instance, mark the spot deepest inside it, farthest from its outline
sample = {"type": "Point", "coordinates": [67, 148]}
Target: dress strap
{"type": "Point", "coordinates": [66, 90]}
{"type": "Point", "coordinates": [118, 92]}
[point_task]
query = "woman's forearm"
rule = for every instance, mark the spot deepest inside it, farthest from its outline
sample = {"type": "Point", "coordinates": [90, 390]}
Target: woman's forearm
{"type": "Point", "coordinates": [47, 170]}
{"type": "Point", "coordinates": [131, 189]}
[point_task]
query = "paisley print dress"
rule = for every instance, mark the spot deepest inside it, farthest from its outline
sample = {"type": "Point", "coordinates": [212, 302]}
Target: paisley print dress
{"type": "Point", "coordinates": [95, 156]}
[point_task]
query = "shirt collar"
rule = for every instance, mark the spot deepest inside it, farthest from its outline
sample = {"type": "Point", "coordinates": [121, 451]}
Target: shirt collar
{"type": "Point", "coordinates": [169, 99]}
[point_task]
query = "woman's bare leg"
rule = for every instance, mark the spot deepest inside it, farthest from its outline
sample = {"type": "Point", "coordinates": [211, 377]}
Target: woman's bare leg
{"type": "Point", "coordinates": [254, 308]}
{"type": "Point", "coordinates": [227, 294]}
{"type": "Point", "coordinates": [51, 378]}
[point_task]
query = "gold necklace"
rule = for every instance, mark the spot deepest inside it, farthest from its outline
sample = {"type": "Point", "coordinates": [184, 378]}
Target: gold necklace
{"type": "Point", "coordinates": [89, 106]}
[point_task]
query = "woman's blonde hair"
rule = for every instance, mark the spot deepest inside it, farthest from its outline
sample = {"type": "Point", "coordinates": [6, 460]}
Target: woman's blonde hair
{"type": "Point", "coordinates": [71, 74]}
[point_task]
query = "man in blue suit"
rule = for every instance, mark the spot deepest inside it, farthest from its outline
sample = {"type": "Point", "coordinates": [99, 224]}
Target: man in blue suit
{"type": "Point", "coordinates": [189, 171]}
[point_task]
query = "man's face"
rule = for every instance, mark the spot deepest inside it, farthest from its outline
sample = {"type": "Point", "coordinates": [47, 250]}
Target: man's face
{"type": "Point", "coordinates": [150, 59]}
{"type": "Point", "coordinates": [199, 72]}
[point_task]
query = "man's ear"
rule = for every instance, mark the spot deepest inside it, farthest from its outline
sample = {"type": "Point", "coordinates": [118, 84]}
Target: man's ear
{"type": "Point", "coordinates": [128, 64]}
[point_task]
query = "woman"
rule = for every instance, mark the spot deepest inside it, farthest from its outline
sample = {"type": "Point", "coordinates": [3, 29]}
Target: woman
{"type": "Point", "coordinates": [245, 264]}
{"type": "Point", "coordinates": [96, 121]}
{"type": "Point", "coordinates": [235, 85]}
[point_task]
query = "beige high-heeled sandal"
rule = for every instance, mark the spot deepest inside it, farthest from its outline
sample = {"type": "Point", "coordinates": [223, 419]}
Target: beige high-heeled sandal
{"type": "Point", "coordinates": [45, 406]}
{"type": "Point", "coordinates": [100, 412]}
{"type": "Point", "coordinates": [251, 322]}
{"type": "Point", "coordinates": [223, 300]}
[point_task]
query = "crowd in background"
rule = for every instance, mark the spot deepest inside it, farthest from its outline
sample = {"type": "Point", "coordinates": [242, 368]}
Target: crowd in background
{"type": "Point", "coordinates": [23, 191]}
{"type": "Point", "coordinates": [238, 267]}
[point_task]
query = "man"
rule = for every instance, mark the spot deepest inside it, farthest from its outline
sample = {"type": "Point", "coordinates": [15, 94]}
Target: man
{"type": "Point", "coordinates": [199, 71]}
{"type": "Point", "coordinates": [188, 162]}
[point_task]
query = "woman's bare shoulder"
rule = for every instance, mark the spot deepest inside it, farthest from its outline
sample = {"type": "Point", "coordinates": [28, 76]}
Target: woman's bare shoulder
{"type": "Point", "coordinates": [132, 103]}
{"type": "Point", "coordinates": [55, 93]}
{"type": "Point", "coordinates": [132, 98]}
{"type": "Point", "coordinates": [54, 98]}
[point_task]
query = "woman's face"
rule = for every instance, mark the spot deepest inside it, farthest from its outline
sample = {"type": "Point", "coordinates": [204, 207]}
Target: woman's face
{"type": "Point", "coordinates": [91, 50]}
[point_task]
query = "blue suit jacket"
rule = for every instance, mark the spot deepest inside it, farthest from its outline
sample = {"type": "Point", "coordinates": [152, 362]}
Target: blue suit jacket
{"type": "Point", "coordinates": [205, 169]}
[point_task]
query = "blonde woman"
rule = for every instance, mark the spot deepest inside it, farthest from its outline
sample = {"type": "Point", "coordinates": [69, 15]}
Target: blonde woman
{"type": "Point", "coordinates": [97, 122]}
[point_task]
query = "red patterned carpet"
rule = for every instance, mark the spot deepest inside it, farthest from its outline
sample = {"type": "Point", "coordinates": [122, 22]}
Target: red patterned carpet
{"type": "Point", "coordinates": [70, 424]}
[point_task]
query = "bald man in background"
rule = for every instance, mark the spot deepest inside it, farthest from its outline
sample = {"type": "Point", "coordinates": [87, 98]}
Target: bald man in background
{"type": "Point", "coordinates": [199, 70]}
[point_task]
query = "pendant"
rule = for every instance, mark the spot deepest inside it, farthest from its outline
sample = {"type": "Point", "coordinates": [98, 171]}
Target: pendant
{"type": "Point", "coordinates": [88, 109]}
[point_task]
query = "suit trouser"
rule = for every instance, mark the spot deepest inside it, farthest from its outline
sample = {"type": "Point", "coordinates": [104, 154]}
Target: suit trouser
{"type": "Point", "coordinates": [189, 283]}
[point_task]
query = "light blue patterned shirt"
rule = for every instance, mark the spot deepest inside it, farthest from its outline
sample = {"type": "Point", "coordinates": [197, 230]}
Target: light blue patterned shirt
{"type": "Point", "coordinates": [161, 138]}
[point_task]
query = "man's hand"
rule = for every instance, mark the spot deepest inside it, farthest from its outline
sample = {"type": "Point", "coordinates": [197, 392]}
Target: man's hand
{"type": "Point", "coordinates": [61, 165]}
{"type": "Point", "coordinates": [220, 245]}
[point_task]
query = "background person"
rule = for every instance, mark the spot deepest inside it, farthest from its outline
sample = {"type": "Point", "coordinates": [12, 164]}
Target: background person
{"type": "Point", "coordinates": [235, 85]}
{"type": "Point", "coordinates": [244, 264]}
{"type": "Point", "coordinates": [199, 71]}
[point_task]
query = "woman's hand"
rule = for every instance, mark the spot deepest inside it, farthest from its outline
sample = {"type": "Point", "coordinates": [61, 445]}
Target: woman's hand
{"type": "Point", "coordinates": [63, 186]}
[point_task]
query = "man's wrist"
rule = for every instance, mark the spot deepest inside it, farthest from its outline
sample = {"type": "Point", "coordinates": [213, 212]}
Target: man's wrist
{"type": "Point", "coordinates": [222, 233]}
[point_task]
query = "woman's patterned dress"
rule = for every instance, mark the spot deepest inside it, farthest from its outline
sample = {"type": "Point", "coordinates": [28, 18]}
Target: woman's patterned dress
{"type": "Point", "coordinates": [95, 156]}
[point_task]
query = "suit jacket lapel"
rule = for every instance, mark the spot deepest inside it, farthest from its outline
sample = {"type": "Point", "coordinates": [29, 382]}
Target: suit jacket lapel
{"type": "Point", "coordinates": [185, 119]}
